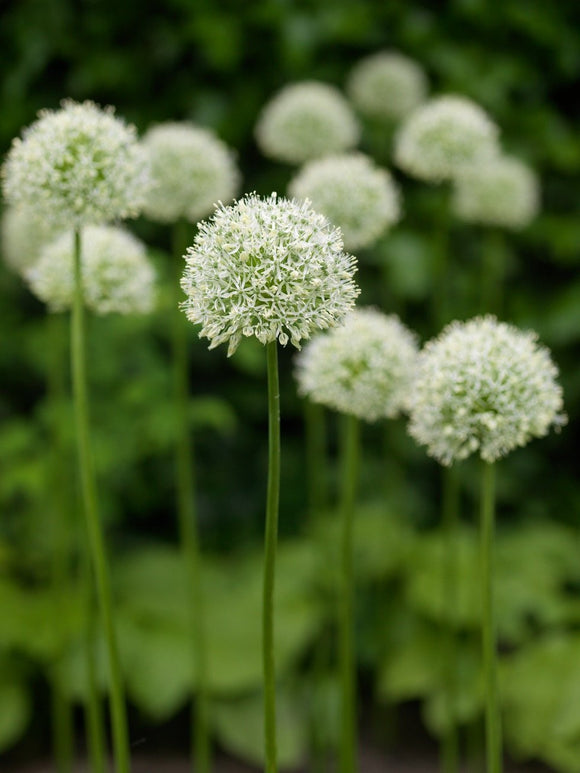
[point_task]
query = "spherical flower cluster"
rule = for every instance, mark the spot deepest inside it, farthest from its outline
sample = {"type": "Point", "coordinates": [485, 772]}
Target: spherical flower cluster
{"type": "Point", "coordinates": [304, 121]}
{"type": "Point", "coordinates": [191, 169]}
{"type": "Point", "coordinates": [365, 367]}
{"type": "Point", "coordinates": [387, 86]}
{"type": "Point", "coordinates": [503, 192]}
{"type": "Point", "coordinates": [271, 268]}
{"type": "Point", "coordinates": [353, 193]}
{"type": "Point", "coordinates": [23, 236]}
{"type": "Point", "coordinates": [77, 166]}
{"type": "Point", "coordinates": [443, 136]}
{"type": "Point", "coordinates": [483, 386]}
{"type": "Point", "coordinates": [116, 273]}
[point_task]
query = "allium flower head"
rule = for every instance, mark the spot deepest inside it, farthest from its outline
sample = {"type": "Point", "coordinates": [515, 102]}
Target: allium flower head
{"type": "Point", "coordinates": [77, 166]}
{"type": "Point", "coordinates": [304, 121]}
{"type": "Point", "coordinates": [117, 275]}
{"type": "Point", "coordinates": [353, 193]}
{"type": "Point", "coordinates": [443, 136]}
{"type": "Point", "coordinates": [271, 268]}
{"type": "Point", "coordinates": [483, 386]}
{"type": "Point", "coordinates": [503, 192]}
{"type": "Point", "coordinates": [364, 367]}
{"type": "Point", "coordinates": [23, 236]}
{"type": "Point", "coordinates": [387, 86]}
{"type": "Point", "coordinates": [191, 169]}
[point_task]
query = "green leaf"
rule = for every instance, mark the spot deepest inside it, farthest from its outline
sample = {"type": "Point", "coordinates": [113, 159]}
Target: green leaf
{"type": "Point", "coordinates": [15, 710]}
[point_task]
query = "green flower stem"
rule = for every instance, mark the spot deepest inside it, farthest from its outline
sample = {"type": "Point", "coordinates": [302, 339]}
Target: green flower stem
{"type": "Point", "coordinates": [186, 510]}
{"type": "Point", "coordinates": [95, 726]}
{"type": "Point", "coordinates": [492, 719]}
{"type": "Point", "coordinates": [94, 528]}
{"type": "Point", "coordinates": [349, 474]}
{"type": "Point", "coordinates": [63, 742]}
{"type": "Point", "coordinates": [450, 518]}
{"type": "Point", "coordinates": [316, 457]}
{"type": "Point", "coordinates": [492, 272]}
{"type": "Point", "coordinates": [441, 295]}
{"type": "Point", "coordinates": [271, 537]}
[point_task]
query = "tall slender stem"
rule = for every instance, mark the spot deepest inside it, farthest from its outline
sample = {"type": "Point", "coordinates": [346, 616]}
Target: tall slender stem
{"type": "Point", "coordinates": [63, 741]}
{"type": "Point", "coordinates": [186, 511]}
{"type": "Point", "coordinates": [94, 721]}
{"type": "Point", "coordinates": [450, 519]}
{"type": "Point", "coordinates": [271, 537]}
{"type": "Point", "coordinates": [94, 528]}
{"type": "Point", "coordinates": [489, 644]}
{"type": "Point", "coordinates": [349, 463]}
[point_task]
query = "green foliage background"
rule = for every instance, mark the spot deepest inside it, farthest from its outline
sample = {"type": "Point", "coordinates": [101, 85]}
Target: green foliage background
{"type": "Point", "coordinates": [217, 62]}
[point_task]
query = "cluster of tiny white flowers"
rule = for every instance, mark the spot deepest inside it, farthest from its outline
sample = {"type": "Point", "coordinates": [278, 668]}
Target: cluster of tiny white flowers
{"type": "Point", "coordinates": [192, 169]}
{"type": "Point", "coordinates": [271, 268]}
{"type": "Point", "coordinates": [304, 121]}
{"type": "Point", "coordinates": [117, 276]}
{"type": "Point", "coordinates": [77, 166]}
{"type": "Point", "coordinates": [483, 386]}
{"type": "Point", "coordinates": [387, 86]}
{"type": "Point", "coordinates": [353, 193]}
{"type": "Point", "coordinates": [365, 367]}
{"type": "Point", "coordinates": [503, 192]}
{"type": "Point", "coordinates": [443, 136]}
{"type": "Point", "coordinates": [23, 236]}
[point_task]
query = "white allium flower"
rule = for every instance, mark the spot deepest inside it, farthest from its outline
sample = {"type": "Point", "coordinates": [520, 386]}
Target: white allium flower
{"type": "Point", "coordinates": [77, 166]}
{"type": "Point", "coordinates": [387, 86]}
{"type": "Point", "coordinates": [503, 192]}
{"type": "Point", "coordinates": [192, 169]}
{"type": "Point", "coordinates": [483, 386]}
{"type": "Point", "coordinates": [117, 275]}
{"type": "Point", "coordinates": [271, 268]}
{"type": "Point", "coordinates": [353, 193]}
{"type": "Point", "coordinates": [304, 121]}
{"type": "Point", "coordinates": [23, 236]}
{"type": "Point", "coordinates": [365, 367]}
{"type": "Point", "coordinates": [443, 136]}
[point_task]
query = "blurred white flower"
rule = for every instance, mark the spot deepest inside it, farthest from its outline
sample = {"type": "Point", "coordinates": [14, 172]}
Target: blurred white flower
{"type": "Point", "coordinates": [192, 170]}
{"type": "Point", "coordinates": [23, 236]}
{"type": "Point", "coordinates": [503, 192]}
{"type": "Point", "coordinates": [77, 166]}
{"type": "Point", "coordinates": [271, 268]}
{"type": "Point", "coordinates": [117, 276]}
{"type": "Point", "coordinates": [443, 136]}
{"type": "Point", "coordinates": [483, 387]}
{"type": "Point", "coordinates": [353, 193]}
{"type": "Point", "coordinates": [304, 121]}
{"type": "Point", "coordinates": [364, 367]}
{"type": "Point", "coordinates": [387, 86]}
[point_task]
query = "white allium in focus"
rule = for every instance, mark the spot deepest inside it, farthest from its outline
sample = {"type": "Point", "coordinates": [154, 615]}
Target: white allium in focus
{"type": "Point", "coordinates": [504, 192]}
{"type": "Point", "coordinates": [304, 121]}
{"type": "Point", "coordinates": [443, 136]}
{"type": "Point", "coordinates": [77, 166]}
{"type": "Point", "coordinates": [353, 193]}
{"type": "Point", "coordinates": [387, 86]}
{"type": "Point", "coordinates": [116, 273]}
{"type": "Point", "coordinates": [23, 236]}
{"type": "Point", "coordinates": [364, 367]}
{"type": "Point", "coordinates": [192, 169]}
{"type": "Point", "coordinates": [483, 387]}
{"type": "Point", "coordinates": [271, 268]}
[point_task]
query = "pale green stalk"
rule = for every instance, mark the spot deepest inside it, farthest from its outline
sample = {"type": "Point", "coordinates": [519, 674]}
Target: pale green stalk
{"type": "Point", "coordinates": [450, 519]}
{"type": "Point", "coordinates": [270, 541]}
{"type": "Point", "coordinates": [62, 719]}
{"type": "Point", "coordinates": [347, 666]}
{"type": "Point", "coordinates": [186, 511]}
{"type": "Point", "coordinates": [493, 741]}
{"type": "Point", "coordinates": [492, 271]}
{"type": "Point", "coordinates": [94, 528]}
